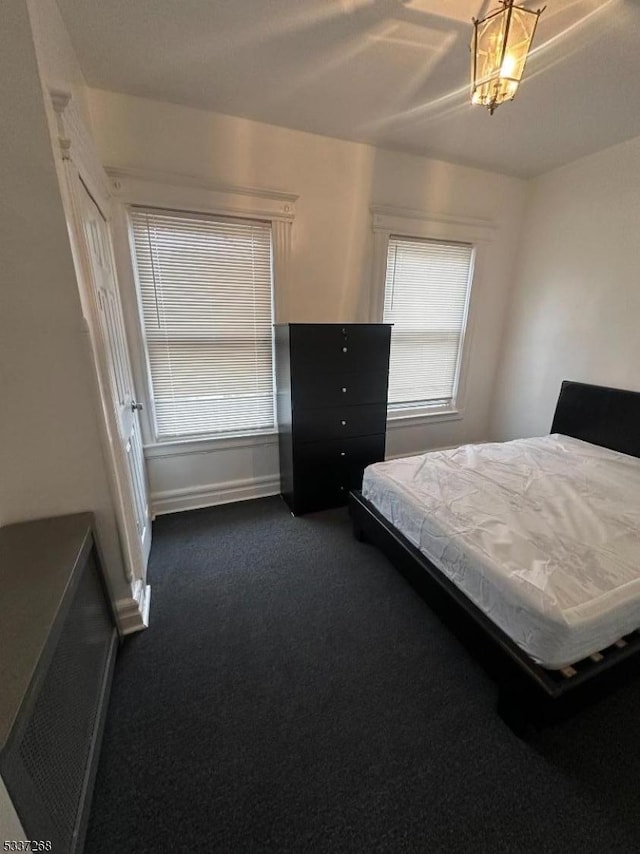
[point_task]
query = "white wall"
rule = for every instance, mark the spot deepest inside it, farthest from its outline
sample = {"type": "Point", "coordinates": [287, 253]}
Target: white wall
{"type": "Point", "coordinates": [336, 181]}
{"type": "Point", "coordinates": [576, 303]}
{"type": "Point", "coordinates": [50, 455]}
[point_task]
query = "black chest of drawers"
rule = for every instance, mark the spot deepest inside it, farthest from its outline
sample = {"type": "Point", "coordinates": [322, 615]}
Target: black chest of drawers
{"type": "Point", "coordinates": [332, 408]}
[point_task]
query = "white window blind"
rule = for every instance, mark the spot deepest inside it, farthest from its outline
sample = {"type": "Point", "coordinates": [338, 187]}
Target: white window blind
{"type": "Point", "coordinates": [426, 295]}
{"type": "Point", "coordinates": [206, 295]}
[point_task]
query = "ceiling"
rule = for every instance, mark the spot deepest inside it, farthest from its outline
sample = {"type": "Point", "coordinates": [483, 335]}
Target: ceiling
{"type": "Point", "coordinates": [389, 72]}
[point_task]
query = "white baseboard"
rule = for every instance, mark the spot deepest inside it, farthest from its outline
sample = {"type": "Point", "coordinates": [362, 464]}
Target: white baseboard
{"type": "Point", "coordinates": [133, 611]}
{"type": "Point", "coordinates": [191, 498]}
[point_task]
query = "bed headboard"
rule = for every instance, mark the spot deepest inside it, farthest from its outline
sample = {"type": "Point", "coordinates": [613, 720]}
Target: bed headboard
{"type": "Point", "coordinates": [609, 417]}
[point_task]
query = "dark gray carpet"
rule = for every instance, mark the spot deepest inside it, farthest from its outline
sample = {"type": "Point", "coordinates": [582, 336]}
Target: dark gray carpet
{"type": "Point", "coordinates": [293, 694]}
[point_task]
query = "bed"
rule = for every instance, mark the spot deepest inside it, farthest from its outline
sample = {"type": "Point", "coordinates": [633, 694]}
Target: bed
{"type": "Point", "coordinates": [530, 550]}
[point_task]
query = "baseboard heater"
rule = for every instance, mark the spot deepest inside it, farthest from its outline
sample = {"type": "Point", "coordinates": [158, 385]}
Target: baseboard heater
{"type": "Point", "coordinates": [58, 642]}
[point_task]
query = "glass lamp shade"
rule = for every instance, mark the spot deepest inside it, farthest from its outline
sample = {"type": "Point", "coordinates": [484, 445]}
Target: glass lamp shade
{"type": "Point", "coordinates": [499, 50]}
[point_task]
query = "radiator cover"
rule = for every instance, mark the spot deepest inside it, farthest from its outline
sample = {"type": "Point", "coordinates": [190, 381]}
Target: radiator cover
{"type": "Point", "coordinates": [49, 760]}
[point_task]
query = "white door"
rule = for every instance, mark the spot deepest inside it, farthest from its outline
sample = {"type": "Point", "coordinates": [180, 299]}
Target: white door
{"type": "Point", "coordinates": [132, 480]}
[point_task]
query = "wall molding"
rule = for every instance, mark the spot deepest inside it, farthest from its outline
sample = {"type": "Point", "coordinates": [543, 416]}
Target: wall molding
{"type": "Point", "coordinates": [180, 448]}
{"type": "Point", "coordinates": [82, 171]}
{"type": "Point", "coordinates": [169, 191]}
{"type": "Point", "coordinates": [416, 223]}
{"type": "Point", "coordinates": [77, 146]}
{"type": "Point", "coordinates": [400, 422]}
{"type": "Point", "coordinates": [193, 498]}
{"type": "Point", "coordinates": [133, 611]}
{"type": "Point", "coordinates": [143, 186]}
{"type": "Point", "coordinates": [407, 222]}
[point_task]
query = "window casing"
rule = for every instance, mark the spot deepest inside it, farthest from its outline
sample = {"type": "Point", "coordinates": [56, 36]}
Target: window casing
{"type": "Point", "coordinates": [205, 291]}
{"type": "Point", "coordinates": [426, 298]}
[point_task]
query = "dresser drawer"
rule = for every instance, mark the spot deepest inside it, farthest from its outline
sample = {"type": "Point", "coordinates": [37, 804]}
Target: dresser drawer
{"type": "Point", "coordinates": [314, 425]}
{"type": "Point", "coordinates": [320, 349]}
{"type": "Point", "coordinates": [313, 459]}
{"type": "Point", "coordinates": [343, 389]}
{"type": "Point", "coordinates": [330, 490]}
{"type": "Point", "coordinates": [309, 497]}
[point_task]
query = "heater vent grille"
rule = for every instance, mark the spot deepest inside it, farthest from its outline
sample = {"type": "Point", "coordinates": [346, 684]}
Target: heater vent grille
{"type": "Point", "coordinates": [46, 768]}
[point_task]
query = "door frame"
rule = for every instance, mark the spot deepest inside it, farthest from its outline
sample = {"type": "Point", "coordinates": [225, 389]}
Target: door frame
{"type": "Point", "coordinates": [80, 163]}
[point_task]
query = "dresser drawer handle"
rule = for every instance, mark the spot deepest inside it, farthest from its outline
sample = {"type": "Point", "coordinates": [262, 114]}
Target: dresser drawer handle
{"type": "Point", "coordinates": [344, 423]}
{"type": "Point", "coordinates": [342, 489]}
{"type": "Point", "coordinates": [344, 349]}
{"type": "Point", "coordinates": [343, 453]}
{"type": "Point", "coordinates": [344, 389]}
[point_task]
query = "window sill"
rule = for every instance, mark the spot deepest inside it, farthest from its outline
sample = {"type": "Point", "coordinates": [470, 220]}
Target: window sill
{"type": "Point", "coordinates": [417, 417]}
{"type": "Point", "coordinates": [181, 447]}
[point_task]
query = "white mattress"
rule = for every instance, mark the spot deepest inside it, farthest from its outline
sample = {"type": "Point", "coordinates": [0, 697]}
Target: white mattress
{"type": "Point", "coordinates": [542, 534]}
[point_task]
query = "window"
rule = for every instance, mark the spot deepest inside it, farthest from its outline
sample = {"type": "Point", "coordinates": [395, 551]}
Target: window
{"type": "Point", "coordinates": [205, 291]}
{"type": "Point", "coordinates": [426, 296]}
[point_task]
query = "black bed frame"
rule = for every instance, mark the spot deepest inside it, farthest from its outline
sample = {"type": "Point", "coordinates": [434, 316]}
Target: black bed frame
{"type": "Point", "coordinates": [529, 695]}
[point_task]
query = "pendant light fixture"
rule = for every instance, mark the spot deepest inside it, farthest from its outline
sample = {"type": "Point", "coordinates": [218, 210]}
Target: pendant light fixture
{"type": "Point", "coordinates": [499, 51]}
